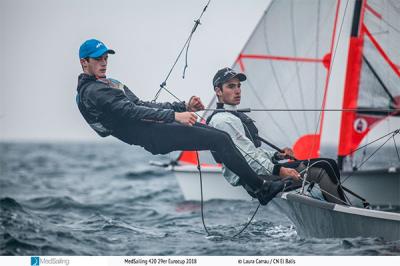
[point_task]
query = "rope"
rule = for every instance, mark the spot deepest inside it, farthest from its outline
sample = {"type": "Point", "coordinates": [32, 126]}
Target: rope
{"type": "Point", "coordinates": [247, 110]}
{"type": "Point", "coordinates": [201, 194]}
{"type": "Point", "coordinates": [202, 205]}
{"type": "Point", "coordinates": [186, 45]}
{"type": "Point", "coordinates": [196, 23]}
{"type": "Point", "coordinates": [397, 131]}
{"type": "Point", "coordinates": [362, 163]}
{"type": "Point", "coordinates": [395, 145]}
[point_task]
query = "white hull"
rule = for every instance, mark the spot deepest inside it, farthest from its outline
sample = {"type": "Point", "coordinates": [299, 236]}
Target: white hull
{"type": "Point", "coordinates": [315, 218]}
{"type": "Point", "coordinates": [214, 185]}
{"type": "Point", "coordinates": [379, 188]}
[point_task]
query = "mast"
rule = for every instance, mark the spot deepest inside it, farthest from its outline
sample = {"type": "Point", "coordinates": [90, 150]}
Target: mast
{"type": "Point", "coordinates": [352, 83]}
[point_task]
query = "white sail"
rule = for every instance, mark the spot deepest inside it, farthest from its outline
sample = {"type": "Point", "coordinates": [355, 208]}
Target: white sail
{"type": "Point", "coordinates": [287, 60]}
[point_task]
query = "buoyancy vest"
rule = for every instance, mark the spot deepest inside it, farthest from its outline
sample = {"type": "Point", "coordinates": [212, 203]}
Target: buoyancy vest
{"type": "Point", "coordinates": [250, 128]}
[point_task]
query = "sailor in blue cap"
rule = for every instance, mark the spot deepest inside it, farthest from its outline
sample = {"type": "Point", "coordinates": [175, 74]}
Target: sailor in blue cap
{"type": "Point", "coordinates": [93, 55]}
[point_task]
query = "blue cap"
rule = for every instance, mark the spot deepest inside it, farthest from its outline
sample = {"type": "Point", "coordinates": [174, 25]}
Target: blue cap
{"type": "Point", "coordinates": [93, 48]}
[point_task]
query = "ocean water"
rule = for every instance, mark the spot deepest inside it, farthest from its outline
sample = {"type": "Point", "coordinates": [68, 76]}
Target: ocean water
{"type": "Point", "coordinates": [105, 199]}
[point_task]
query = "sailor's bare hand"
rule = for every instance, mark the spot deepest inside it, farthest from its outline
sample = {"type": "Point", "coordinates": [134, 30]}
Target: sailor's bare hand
{"type": "Point", "coordinates": [289, 172]}
{"type": "Point", "coordinates": [195, 104]}
{"type": "Point", "coordinates": [186, 118]}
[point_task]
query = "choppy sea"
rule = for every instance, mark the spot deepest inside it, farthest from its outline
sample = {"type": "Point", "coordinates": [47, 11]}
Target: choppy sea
{"type": "Point", "coordinates": [105, 199]}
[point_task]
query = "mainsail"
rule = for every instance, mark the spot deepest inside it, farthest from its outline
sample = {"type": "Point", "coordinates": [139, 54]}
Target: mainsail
{"type": "Point", "coordinates": [319, 54]}
{"type": "Point", "coordinates": [287, 60]}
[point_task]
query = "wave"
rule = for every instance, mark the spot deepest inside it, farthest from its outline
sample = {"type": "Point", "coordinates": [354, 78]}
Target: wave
{"type": "Point", "coordinates": [62, 203]}
{"type": "Point", "coordinates": [13, 246]}
{"type": "Point", "coordinates": [144, 174]}
{"type": "Point", "coordinates": [8, 203]}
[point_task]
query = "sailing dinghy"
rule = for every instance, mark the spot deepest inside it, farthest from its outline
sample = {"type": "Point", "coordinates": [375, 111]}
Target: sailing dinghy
{"type": "Point", "coordinates": [327, 55]}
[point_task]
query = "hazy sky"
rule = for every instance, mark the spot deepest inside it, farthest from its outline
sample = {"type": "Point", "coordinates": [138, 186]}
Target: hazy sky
{"type": "Point", "coordinates": [40, 39]}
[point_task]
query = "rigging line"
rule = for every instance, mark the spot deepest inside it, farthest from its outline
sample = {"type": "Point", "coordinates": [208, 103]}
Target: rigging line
{"type": "Point", "coordinates": [362, 163]}
{"type": "Point", "coordinates": [364, 153]}
{"type": "Point", "coordinates": [296, 63]}
{"type": "Point", "coordinates": [395, 145]}
{"type": "Point", "coordinates": [276, 78]}
{"type": "Point", "coordinates": [201, 195]}
{"type": "Point", "coordinates": [269, 115]}
{"type": "Point", "coordinates": [248, 110]}
{"type": "Point", "coordinates": [197, 23]}
{"type": "Point", "coordinates": [317, 56]}
{"type": "Point", "coordinates": [186, 59]}
{"type": "Point", "coordinates": [163, 84]}
{"type": "Point", "coordinates": [248, 223]}
{"type": "Point", "coordinates": [173, 95]}
{"type": "Point", "coordinates": [202, 204]}
{"type": "Point", "coordinates": [379, 79]}
{"type": "Point", "coordinates": [397, 131]}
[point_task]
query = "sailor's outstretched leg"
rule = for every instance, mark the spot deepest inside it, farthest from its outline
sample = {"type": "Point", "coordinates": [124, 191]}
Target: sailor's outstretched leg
{"type": "Point", "coordinates": [164, 138]}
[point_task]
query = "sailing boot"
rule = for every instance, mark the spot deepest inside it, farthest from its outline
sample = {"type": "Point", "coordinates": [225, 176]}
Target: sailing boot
{"type": "Point", "coordinates": [263, 195]}
{"type": "Point", "coordinates": [289, 183]}
{"type": "Point", "coordinates": [268, 191]}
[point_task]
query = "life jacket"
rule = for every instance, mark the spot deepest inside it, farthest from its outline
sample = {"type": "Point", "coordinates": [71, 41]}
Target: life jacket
{"type": "Point", "coordinates": [250, 128]}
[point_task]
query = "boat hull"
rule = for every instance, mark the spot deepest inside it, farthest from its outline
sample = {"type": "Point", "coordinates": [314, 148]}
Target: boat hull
{"type": "Point", "coordinates": [214, 185]}
{"type": "Point", "coordinates": [380, 188]}
{"type": "Point", "coordinates": [315, 218]}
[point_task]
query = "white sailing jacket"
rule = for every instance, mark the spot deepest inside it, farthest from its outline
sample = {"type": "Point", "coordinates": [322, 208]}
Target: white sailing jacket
{"type": "Point", "coordinates": [259, 159]}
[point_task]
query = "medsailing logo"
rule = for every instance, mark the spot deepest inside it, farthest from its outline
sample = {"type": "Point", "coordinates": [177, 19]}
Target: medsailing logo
{"type": "Point", "coordinates": [35, 261]}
